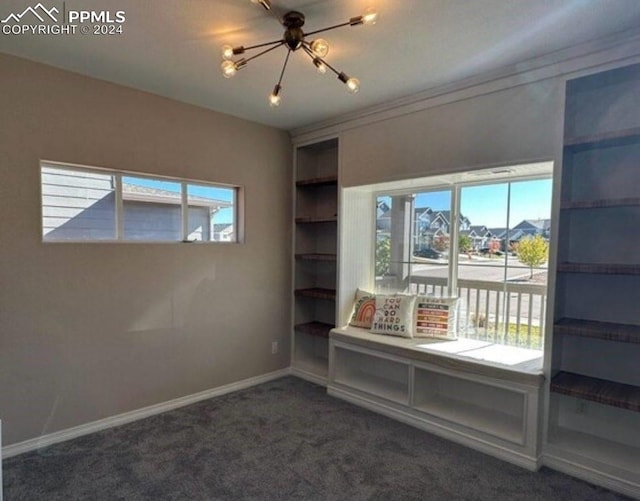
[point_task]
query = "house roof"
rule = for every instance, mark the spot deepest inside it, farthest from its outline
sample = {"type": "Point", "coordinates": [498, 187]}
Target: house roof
{"type": "Point", "coordinates": [539, 224]}
{"type": "Point", "coordinates": [137, 193]}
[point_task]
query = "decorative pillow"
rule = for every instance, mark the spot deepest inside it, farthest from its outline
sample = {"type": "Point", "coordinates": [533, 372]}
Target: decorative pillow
{"type": "Point", "coordinates": [364, 308]}
{"type": "Point", "coordinates": [436, 317]}
{"type": "Point", "coordinates": [394, 315]}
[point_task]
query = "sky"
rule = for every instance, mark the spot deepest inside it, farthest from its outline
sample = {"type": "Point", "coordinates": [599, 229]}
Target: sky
{"type": "Point", "coordinates": [224, 216]}
{"type": "Point", "coordinates": [487, 204]}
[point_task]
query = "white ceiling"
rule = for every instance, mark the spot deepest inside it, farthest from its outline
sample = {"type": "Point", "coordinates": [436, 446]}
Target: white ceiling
{"type": "Point", "coordinates": [172, 48]}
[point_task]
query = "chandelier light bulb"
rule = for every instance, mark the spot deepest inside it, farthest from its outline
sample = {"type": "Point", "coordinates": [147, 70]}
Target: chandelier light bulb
{"type": "Point", "coordinates": [353, 85]}
{"type": "Point", "coordinates": [228, 68]}
{"type": "Point", "coordinates": [274, 97]}
{"type": "Point", "coordinates": [370, 17]}
{"type": "Point", "coordinates": [227, 52]}
{"type": "Point", "coordinates": [320, 66]}
{"type": "Point", "coordinates": [320, 47]}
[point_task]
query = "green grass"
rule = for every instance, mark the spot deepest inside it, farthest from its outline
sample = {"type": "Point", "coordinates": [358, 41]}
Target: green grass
{"type": "Point", "coordinates": [534, 339]}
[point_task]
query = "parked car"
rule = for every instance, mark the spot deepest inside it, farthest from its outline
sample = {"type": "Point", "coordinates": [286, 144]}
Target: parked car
{"type": "Point", "coordinates": [428, 253]}
{"type": "Point", "coordinates": [486, 251]}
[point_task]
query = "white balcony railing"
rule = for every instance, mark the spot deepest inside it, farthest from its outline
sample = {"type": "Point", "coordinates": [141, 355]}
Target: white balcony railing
{"type": "Point", "coordinates": [511, 313]}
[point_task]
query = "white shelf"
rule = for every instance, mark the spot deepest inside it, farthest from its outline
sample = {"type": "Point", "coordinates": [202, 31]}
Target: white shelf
{"type": "Point", "coordinates": [599, 452]}
{"type": "Point", "coordinates": [490, 421]}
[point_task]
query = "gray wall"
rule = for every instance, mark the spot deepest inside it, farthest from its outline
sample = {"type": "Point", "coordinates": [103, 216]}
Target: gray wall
{"type": "Point", "coordinates": [88, 331]}
{"type": "Point", "coordinates": [516, 125]}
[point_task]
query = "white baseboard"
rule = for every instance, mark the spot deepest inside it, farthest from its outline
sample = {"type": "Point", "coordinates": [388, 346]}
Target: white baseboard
{"type": "Point", "coordinates": [495, 450]}
{"type": "Point", "coordinates": [128, 417]}
{"type": "Point", "coordinates": [309, 376]}
{"type": "Point", "coordinates": [591, 475]}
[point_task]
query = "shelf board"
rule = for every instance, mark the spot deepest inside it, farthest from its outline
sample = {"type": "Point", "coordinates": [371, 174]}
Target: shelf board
{"type": "Point", "coordinates": [612, 138]}
{"type": "Point", "coordinates": [320, 329]}
{"type": "Point", "coordinates": [317, 257]}
{"type": "Point", "coordinates": [621, 395]}
{"type": "Point", "coordinates": [601, 204]}
{"type": "Point", "coordinates": [318, 181]}
{"type": "Point", "coordinates": [576, 445]}
{"type": "Point", "coordinates": [608, 331]}
{"type": "Point", "coordinates": [600, 268]}
{"type": "Point", "coordinates": [313, 219]}
{"type": "Point", "coordinates": [317, 293]}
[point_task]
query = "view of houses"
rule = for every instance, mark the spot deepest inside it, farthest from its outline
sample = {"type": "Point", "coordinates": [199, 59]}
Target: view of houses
{"type": "Point", "coordinates": [431, 229]}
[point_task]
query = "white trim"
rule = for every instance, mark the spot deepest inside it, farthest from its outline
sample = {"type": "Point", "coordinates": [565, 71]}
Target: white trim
{"type": "Point", "coordinates": [590, 475]}
{"type": "Point", "coordinates": [471, 441]}
{"type": "Point", "coordinates": [309, 376]}
{"type": "Point", "coordinates": [128, 417]}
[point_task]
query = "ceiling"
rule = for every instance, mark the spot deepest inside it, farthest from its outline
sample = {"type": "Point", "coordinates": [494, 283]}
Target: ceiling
{"type": "Point", "coordinates": [172, 48]}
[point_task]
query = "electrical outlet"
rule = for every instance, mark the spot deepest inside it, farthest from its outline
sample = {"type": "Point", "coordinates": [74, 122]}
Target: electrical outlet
{"type": "Point", "coordinates": [274, 347]}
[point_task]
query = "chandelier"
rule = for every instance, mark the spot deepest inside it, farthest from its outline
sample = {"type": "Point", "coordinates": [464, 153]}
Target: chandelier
{"type": "Point", "coordinates": [293, 39]}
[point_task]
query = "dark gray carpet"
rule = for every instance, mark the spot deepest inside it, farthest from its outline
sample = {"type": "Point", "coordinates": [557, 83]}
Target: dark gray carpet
{"type": "Point", "coordinates": [282, 440]}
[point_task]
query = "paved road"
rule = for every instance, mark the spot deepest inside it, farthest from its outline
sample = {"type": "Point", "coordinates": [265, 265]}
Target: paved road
{"type": "Point", "coordinates": [477, 269]}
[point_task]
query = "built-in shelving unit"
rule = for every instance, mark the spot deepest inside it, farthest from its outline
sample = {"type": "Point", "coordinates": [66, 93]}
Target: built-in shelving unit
{"type": "Point", "coordinates": [594, 408]}
{"type": "Point", "coordinates": [315, 252]}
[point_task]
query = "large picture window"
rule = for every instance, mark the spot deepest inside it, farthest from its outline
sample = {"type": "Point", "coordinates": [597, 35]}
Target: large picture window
{"type": "Point", "coordinates": [486, 243]}
{"type": "Point", "coordinates": [88, 204]}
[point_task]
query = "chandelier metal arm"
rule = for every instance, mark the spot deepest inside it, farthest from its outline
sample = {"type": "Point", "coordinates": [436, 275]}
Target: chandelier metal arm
{"type": "Point", "coordinates": [279, 43]}
{"type": "Point", "coordinates": [284, 67]}
{"type": "Point", "coordinates": [329, 28]}
{"type": "Point", "coordinates": [354, 21]}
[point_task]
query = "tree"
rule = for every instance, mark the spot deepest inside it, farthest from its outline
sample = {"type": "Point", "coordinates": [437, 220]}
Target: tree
{"type": "Point", "coordinates": [533, 251]}
{"type": "Point", "coordinates": [383, 256]}
{"type": "Point", "coordinates": [464, 243]}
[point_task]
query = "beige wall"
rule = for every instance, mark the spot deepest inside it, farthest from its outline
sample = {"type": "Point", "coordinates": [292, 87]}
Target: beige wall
{"type": "Point", "coordinates": [88, 331]}
{"type": "Point", "coordinates": [515, 125]}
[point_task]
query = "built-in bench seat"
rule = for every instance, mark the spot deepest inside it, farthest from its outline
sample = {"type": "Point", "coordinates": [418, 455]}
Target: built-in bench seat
{"type": "Point", "coordinates": [480, 394]}
{"type": "Point", "coordinates": [468, 355]}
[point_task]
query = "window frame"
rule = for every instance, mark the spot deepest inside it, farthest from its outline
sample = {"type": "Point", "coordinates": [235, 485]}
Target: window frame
{"type": "Point", "coordinates": [456, 191]}
{"type": "Point", "coordinates": [118, 174]}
